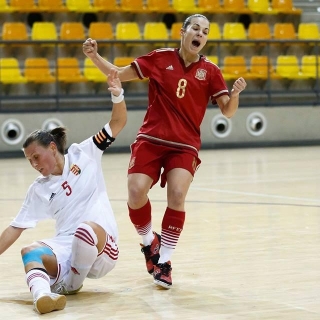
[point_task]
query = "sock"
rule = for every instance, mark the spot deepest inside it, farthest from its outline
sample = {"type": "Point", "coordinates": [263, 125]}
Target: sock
{"type": "Point", "coordinates": [84, 254]}
{"type": "Point", "coordinates": [141, 219]}
{"type": "Point", "coordinates": [38, 282]}
{"type": "Point", "coordinates": [172, 225]}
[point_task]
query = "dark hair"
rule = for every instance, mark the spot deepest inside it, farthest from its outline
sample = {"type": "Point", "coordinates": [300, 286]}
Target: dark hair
{"type": "Point", "coordinates": [44, 138]}
{"type": "Point", "coordinates": [188, 20]}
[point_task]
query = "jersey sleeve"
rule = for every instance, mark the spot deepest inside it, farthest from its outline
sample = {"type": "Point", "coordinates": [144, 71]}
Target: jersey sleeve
{"type": "Point", "coordinates": [144, 65]}
{"type": "Point", "coordinates": [218, 85]}
{"type": "Point", "coordinates": [32, 210]}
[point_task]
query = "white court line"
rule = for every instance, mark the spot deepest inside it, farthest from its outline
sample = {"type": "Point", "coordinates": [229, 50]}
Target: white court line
{"type": "Point", "coordinates": [265, 195]}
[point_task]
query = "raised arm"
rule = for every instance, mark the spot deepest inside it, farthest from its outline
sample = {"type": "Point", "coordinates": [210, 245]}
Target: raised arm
{"type": "Point", "coordinates": [119, 109]}
{"type": "Point", "coordinates": [90, 49]}
{"type": "Point", "coordinates": [8, 237]}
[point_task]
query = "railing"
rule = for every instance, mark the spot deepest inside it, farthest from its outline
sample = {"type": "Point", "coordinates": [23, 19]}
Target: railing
{"type": "Point", "coordinates": [271, 82]}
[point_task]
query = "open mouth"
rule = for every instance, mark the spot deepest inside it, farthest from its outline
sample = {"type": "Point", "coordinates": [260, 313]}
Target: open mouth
{"type": "Point", "coordinates": [196, 43]}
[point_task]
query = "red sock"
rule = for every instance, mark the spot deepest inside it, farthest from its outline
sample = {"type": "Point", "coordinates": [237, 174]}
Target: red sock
{"type": "Point", "coordinates": [172, 225]}
{"type": "Point", "coordinates": [141, 218]}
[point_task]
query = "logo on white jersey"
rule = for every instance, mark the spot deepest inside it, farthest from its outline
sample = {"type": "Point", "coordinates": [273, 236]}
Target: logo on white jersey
{"type": "Point", "coordinates": [201, 74]}
{"type": "Point", "coordinates": [52, 196]}
{"type": "Point", "coordinates": [169, 67]}
{"type": "Point", "coordinates": [75, 169]}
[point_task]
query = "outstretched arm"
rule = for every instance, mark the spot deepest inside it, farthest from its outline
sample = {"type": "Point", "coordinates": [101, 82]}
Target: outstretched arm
{"type": "Point", "coordinates": [8, 237]}
{"type": "Point", "coordinates": [90, 49]}
{"type": "Point", "coordinates": [229, 105]}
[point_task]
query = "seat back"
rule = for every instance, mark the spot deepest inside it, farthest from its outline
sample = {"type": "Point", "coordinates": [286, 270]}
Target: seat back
{"type": "Point", "coordinates": [161, 6]}
{"type": "Point", "coordinates": [284, 31]}
{"type": "Point", "coordinates": [10, 71]}
{"type": "Point", "coordinates": [184, 5]}
{"type": "Point", "coordinates": [100, 31]}
{"type": "Point", "coordinates": [92, 73]}
{"type": "Point", "coordinates": [22, 5]}
{"type": "Point", "coordinates": [123, 61]}
{"type": "Point", "coordinates": [308, 31]}
{"type": "Point", "coordinates": [234, 65]}
{"type": "Point", "coordinates": [259, 31]}
{"type": "Point", "coordinates": [72, 31]}
{"type": "Point", "coordinates": [38, 70]}
{"type": "Point", "coordinates": [106, 5]}
{"type": "Point", "coordinates": [234, 31]}
{"type": "Point", "coordinates": [68, 70]}
{"type": "Point", "coordinates": [79, 5]}
{"type": "Point", "coordinates": [260, 67]}
{"type": "Point", "coordinates": [258, 6]}
{"type": "Point", "coordinates": [132, 5]}
{"type": "Point", "coordinates": [282, 5]}
{"type": "Point", "coordinates": [175, 31]}
{"type": "Point", "coordinates": [234, 5]}
{"type": "Point", "coordinates": [213, 59]}
{"type": "Point", "coordinates": [287, 66]}
{"type": "Point", "coordinates": [209, 5]}
{"type": "Point", "coordinates": [128, 31]}
{"type": "Point", "coordinates": [4, 7]}
{"type": "Point", "coordinates": [310, 67]}
{"type": "Point", "coordinates": [14, 31]}
{"type": "Point", "coordinates": [44, 31]}
{"type": "Point", "coordinates": [214, 33]}
{"type": "Point", "coordinates": [52, 5]}
{"type": "Point", "coordinates": [155, 31]}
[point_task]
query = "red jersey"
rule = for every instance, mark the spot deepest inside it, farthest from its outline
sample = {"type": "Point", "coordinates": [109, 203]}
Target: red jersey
{"type": "Point", "coordinates": [178, 96]}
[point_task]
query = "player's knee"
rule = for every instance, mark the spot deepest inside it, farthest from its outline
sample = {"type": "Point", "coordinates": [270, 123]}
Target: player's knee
{"type": "Point", "coordinates": [176, 198]}
{"type": "Point", "coordinates": [86, 234]}
{"type": "Point", "coordinates": [34, 253]}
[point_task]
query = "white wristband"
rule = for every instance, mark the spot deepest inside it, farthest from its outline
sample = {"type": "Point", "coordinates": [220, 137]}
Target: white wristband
{"type": "Point", "coordinates": [119, 98]}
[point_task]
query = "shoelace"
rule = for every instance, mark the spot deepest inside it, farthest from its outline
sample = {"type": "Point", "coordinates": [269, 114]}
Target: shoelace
{"type": "Point", "coordinates": [165, 268]}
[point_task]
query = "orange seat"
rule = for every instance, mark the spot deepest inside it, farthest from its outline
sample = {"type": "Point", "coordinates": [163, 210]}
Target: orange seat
{"type": "Point", "coordinates": [235, 6]}
{"type": "Point", "coordinates": [284, 31]}
{"type": "Point", "coordinates": [175, 31]}
{"type": "Point", "coordinates": [52, 5]}
{"type": "Point", "coordinates": [234, 67]}
{"type": "Point", "coordinates": [23, 5]}
{"type": "Point", "coordinates": [106, 5]}
{"type": "Point", "coordinates": [160, 6]}
{"type": "Point", "coordinates": [135, 6]}
{"type": "Point", "coordinates": [257, 31]}
{"type": "Point", "coordinates": [68, 70]}
{"type": "Point", "coordinates": [10, 72]}
{"type": "Point", "coordinates": [37, 70]}
{"type": "Point", "coordinates": [123, 61]}
{"type": "Point", "coordinates": [285, 6]}
{"type": "Point", "coordinates": [210, 6]}
{"type": "Point", "coordinates": [260, 68]}
{"type": "Point", "coordinates": [72, 31]}
{"type": "Point", "coordinates": [14, 31]}
{"type": "Point", "coordinates": [101, 31]}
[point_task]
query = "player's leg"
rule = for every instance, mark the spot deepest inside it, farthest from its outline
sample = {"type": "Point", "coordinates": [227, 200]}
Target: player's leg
{"type": "Point", "coordinates": [40, 263]}
{"type": "Point", "coordinates": [88, 240]}
{"type": "Point", "coordinates": [144, 170]}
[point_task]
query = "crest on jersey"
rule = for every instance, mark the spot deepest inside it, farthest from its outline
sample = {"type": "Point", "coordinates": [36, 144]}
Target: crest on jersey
{"type": "Point", "coordinates": [75, 169]}
{"type": "Point", "coordinates": [201, 74]}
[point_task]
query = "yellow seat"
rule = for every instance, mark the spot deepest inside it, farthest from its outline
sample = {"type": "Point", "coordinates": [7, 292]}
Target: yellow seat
{"type": "Point", "coordinates": [106, 5]}
{"type": "Point", "coordinates": [235, 6]}
{"type": "Point", "coordinates": [185, 6]}
{"type": "Point", "coordinates": [210, 6]}
{"type": "Point", "coordinates": [92, 73]}
{"type": "Point", "coordinates": [80, 6]}
{"type": "Point", "coordinates": [72, 31]}
{"type": "Point", "coordinates": [23, 5]}
{"type": "Point", "coordinates": [307, 31]}
{"type": "Point", "coordinates": [284, 31]}
{"type": "Point", "coordinates": [123, 61]}
{"type": "Point", "coordinates": [214, 33]}
{"type": "Point", "coordinates": [175, 31]}
{"type": "Point", "coordinates": [288, 67]}
{"type": "Point", "coordinates": [160, 6]}
{"type": "Point", "coordinates": [285, 6]}
{"type": "Point", "coordinates": [14, 31]}
{"type": "Point", "coordinates": [128, 31]}
{"type": "Point", "coordinates": [68, 70]}
{"type": "Point", "coordinates": [10, 72]}
{"type": "Point", "coordinates": [257, 31]}
{"type": "Point", "coordinates": [310, 67]}
{"type": "Point", "coordinates": [52, 5]}
{"type": "Point", "coordinates": [213, 59]}
{"type": "Point", "coordinates": [44, 31]}
{"type": "Point", "coordinates": [234, 31]}
{"type": "Point", "coordinates": [260, 68]}
{"type": "Point", "coordinates": [155, 31]}
{"type": "Point", "coordinates": [135, 6]}
{"type": "Point", "coordinates": [37, 70]}
{"type": "Point", "coordinates": [101, 31]}
{"type": "Point", "coordinates": [260, 6]}
{"type": "Point", "coordinates": [4, 7]}
{"type": "Point", "coordinates": [234, 67]}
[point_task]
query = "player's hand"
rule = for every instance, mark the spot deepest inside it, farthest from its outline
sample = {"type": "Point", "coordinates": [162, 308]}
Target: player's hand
{"type": "Point", "coordinates": [114, 82]}
{"type": "Point", "coordinates": [90, 48]}
{"type": "Point", "coordinates": [238, 86]}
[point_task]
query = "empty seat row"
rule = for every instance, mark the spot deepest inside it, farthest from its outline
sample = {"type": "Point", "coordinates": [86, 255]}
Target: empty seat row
{"type": "Point", "coordinates": [161, 6]}
{"type": "Point", "coordinates": [12, 31]}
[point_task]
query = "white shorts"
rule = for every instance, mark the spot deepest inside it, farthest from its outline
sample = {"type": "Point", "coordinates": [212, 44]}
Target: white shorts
{"type": "Point", "coordinates": [61, 247]}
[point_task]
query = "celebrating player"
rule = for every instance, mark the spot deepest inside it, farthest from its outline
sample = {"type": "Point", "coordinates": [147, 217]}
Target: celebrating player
{"type": "Point", "coordinates": [71, 190]}
{"type": "Point", "coordinates": [181, 81]}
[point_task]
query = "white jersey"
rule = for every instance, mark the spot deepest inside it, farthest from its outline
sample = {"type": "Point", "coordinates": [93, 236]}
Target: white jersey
{"type": "Point", "coordinates": [78, 195]}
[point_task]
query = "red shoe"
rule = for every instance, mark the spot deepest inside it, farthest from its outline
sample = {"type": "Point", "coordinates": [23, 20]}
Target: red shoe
{"type": "Point", "coordinates": [162, 275]}
{"type": "Point", "coordinates": [151, 252]}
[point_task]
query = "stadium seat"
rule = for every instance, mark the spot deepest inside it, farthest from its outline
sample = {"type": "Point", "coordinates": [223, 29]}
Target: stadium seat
{"type": "Point", "coordinates": [310, 67]}
{"type": "Point", "coordinates": [258, 31]}
{"type": "Point", "coordinates": [72, 31]}
{"type": "Point", "coordinates": [284, 31]}
{"type": "Point", "coordinates": [214, 33]}
{"type": "Point", "coordinates": [186, 6]}
{"type": "Point", "coordinates": [4, 7]}
{"type": "Point", "coordinates": [68, 70]}
{"type": "Point", "coordinates": [106, 5]}
{"type": "Point", "coordinates": [44, 31]}
{"type": "Point", "coordinates": [133, 6]}
{"type": "Point", "coordinates": [92, 73]}
{"type": "Point", "coordinates": [159, 6]}
{"type": "Point", "coordinates": [80, 6]}
{"type": "Point", "coordinates": [308, 31]}
{"type": "Point", "coordinates": [175, 31]}
{"type": "Point", "coordinates": [23, 5]}
{"type": "Point", "coordinates": [260, 68]}
{"type": "Point", "coordinates": [213, 59]}
{"type": "Point", "coordinates": [260, 6]}
{"type": "Point", "coordinates": [13, 31]}
{"type": "Point", "coordinates": [210, 6]}
{"type": "Point", "coordinates": [234, 31]}
{"type": "Point", "coordinates": [10, 72]}
{"type": "Point", "coordinates": [101, 31]}
{"type": "Point", "coordinates": [37, 70]}
{"type": "Point", "coordinates": [285, 6]}
{"type": "Point", "coordinates": [52, 6]}
{"type": "Point", "coordinates": [234, 67]}
{"type": "Point", "coordinates": [287, 67]}
{"type": "Point", "coordinates": [128, 31]}
{"type": "Point", "coordinates": [123, 61]}
{"type": "Point", "coordinates": [155, 31]}
{"type": "Point", "coordinates": [235, 6]}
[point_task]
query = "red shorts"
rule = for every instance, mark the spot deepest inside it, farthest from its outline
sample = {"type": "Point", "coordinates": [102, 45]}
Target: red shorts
{"type": "Point", "coordinates": [149, 158]}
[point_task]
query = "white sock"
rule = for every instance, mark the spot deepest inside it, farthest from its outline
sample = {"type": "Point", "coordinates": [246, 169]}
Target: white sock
{"type": "Point", "coordinates": [148, 238]}
{"type": "Point", "coordinates": [84, 254]}
{"type": "Point", "coordinates": [38, 282]}
{"type": "Point", "coordinates": [165, 254]}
